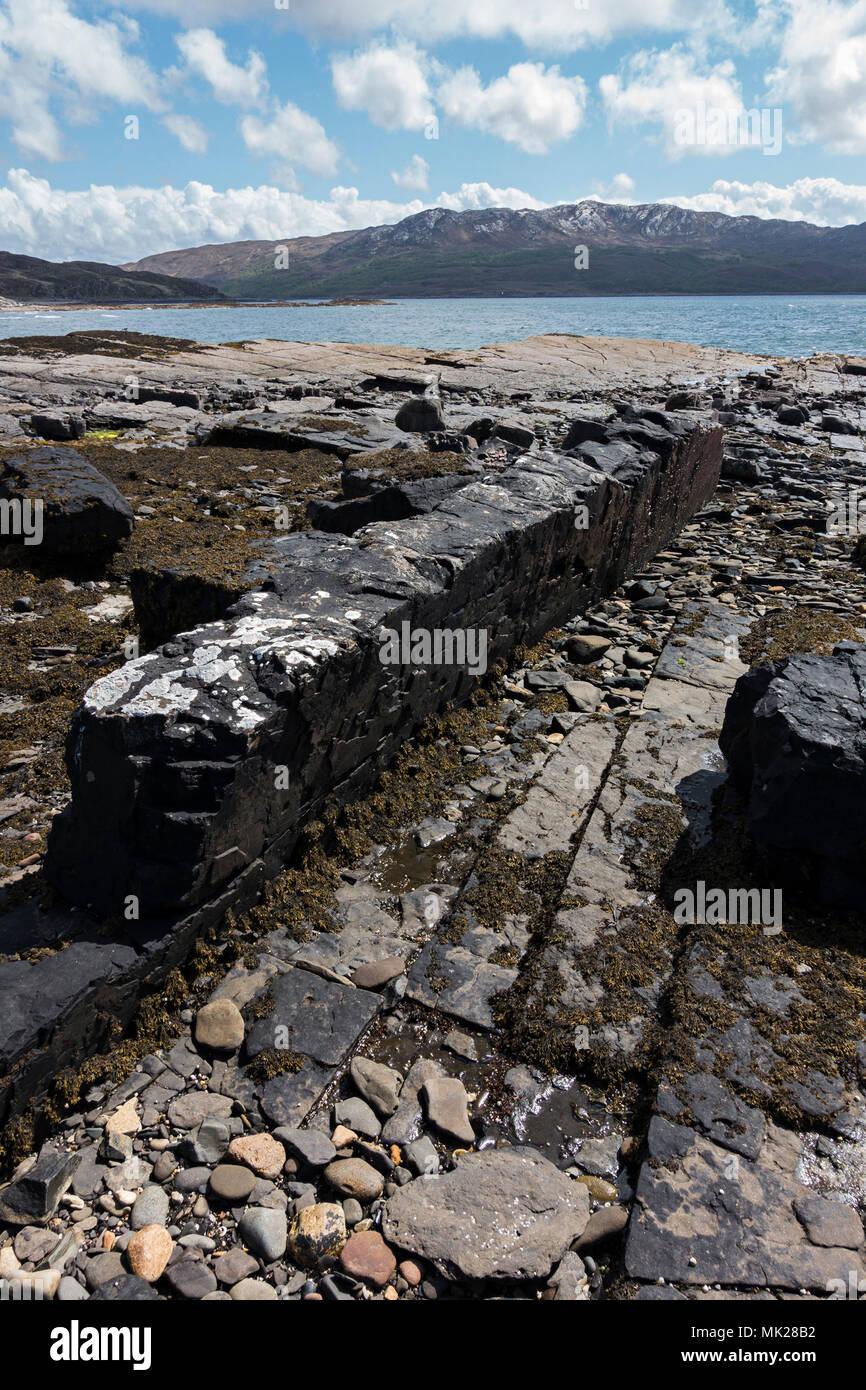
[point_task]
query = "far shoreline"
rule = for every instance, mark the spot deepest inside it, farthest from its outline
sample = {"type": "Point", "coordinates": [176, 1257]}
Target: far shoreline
{"type": "Point", "coordinates": [117, 306]}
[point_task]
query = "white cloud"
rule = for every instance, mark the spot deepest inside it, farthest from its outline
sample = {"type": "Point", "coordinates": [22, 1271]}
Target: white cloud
{"type": "Point", "coordinates": [291, 136]}
{"type": "Point", "coordinates": [619, 190]}
{"type": "Point", "coordinates": [670, 90]}
{"type": "Point", "coordinates": [124, 224]}
{"type": "Point", "coordinates": [389, 83]}
{"type": "Point", "coordinates": [531, 106]}
{"type": "Point", "coordinates": [826, 202]}
{"type": "Point", "coordinates": [821, 72]}
{"type": "Point", "coordinates": [232, 84]}
{"type": "Point", "coordinates": [191, 134]}
{"type": "Point", "coordinates": [550, 25]}
{"type": "Point", "coordinates": [49, 55]}
{"type": "Point", "coordinates": [414, 176]}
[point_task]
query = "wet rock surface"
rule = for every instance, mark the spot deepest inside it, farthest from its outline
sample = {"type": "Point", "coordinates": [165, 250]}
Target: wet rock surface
{"type": "Point", "coordinates": [503, 914]}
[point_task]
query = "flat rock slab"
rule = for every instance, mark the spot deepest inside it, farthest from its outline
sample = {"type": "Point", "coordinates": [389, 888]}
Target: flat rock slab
{"type": "Point", "coordinates": [500, 1214]}
{"type": "Point", "coordinates": [704, 1216]}
{"type": "Point", "coordinates": [317, 1017]}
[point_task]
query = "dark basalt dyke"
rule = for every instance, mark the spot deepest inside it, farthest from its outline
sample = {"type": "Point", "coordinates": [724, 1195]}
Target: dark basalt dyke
{"type": "Point", "coordinates": [194, 768]}
{"type": "Point", "coordinates": [175, 759]}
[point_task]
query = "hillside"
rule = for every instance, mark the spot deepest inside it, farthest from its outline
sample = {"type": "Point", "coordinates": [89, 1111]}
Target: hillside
{"type": "Point", "coordinates": [646, 249]}
{"type": "Point", "coordinates": [26, 278]}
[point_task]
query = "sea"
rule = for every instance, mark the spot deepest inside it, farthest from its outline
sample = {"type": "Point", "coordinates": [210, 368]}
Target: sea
{"type": "Point", "coordinates": [777, 325]}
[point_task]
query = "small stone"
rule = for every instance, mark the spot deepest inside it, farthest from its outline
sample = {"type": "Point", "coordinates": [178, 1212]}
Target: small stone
{"type": "Point", "coordinates": [309, 1145]}
{"type": "Point", "coordinates": [34, 1196]}
{"type": "Point", "coordinates": [70, 1291]}
{"type": "Point", "coordinates": [366, 1256]}
{"type": "Point", "coordinates": [253, 1291]}
{"type": "Point", "coordinates": [602, 1225]}
{"type": "Point", "coordinates": [316, 1232]}
{"type": "Point", "coordinates": [586, 648]}
{"type": "Point", "coordinates": [353, 1177]}
{"type": "Point", "coordinates": [421, 1156]}
{"type": "Point", "coordinates": [599, 1189]}
{"type": "Point", "coordinates": [343, 1137]}
{"type": "Point", "coordinates": [191, 1179]}
{"type": "Point", "coordinates": [263, 1229]}
{"type": "Point", "coordinates": [34, 1243]}
{"type": "Point", "coordinates": [189, 1110]}
{"type": "Point", "coordinates": [125, 1120]}
{"type": "Point", "coordinates": [191, 1278]}
{"type": "Point", "coordinates": [209, 1142]}
{"type": "Point", "coordinates": [149, 1251]}
{"type": "Point", "coordinates": [231, 1183]}
{"type": "Point", "coordinates": [102, 1268]}
{"type": "Point", "coordinates": [235, 1265]}
{"type": "Point", "coordinates": [127, 1288]}
{"type": "Point", "coordinates": [446, 1101]}
{"type": "Point", "coordinates": [260, 1152]}
{"type": "Point", "coordinates": [378, 973]}
{"type": "Point", "coordinates": [411, 1272]}
{"type": "Point", "coordinates": [461, 1044]}
{"type": "Point", "coordinates": [378, 1084]}
{"type": "Point", "coordinates": [390, 1294]}
{"type": "Point", "coordinates": [219, 1026]}
{"type": "Point", "coordinates": [353, 1211]}
{"type": "Point", "coordinates": [150, 1209]}
{"type": "Point", "coordinates": [357, 1115]}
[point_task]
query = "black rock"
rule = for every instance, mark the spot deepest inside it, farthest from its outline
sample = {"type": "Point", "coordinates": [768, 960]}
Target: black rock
{"type": "Point", "coordinates": [82, 512]}
{"type": "Point", "coordinates": [33, 1198]}
{"type": "Point", "coordinates": [128, 1289]}
{"type": "Point", "coordinates": [794, 736]}
{"type": "Point", "coordinates": [57, 424]}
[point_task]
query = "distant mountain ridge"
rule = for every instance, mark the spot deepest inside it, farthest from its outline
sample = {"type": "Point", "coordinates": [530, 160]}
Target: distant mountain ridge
{"type": "Point", "coordinates": [650, 248]}
{"type": "Point", "coordinates": [27, 278]}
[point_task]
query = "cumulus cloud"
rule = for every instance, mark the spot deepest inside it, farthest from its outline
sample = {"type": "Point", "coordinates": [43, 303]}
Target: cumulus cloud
{"type": "Point", "coordinates": [826, 202]}
{"type": "Point", "coordinates": [50, 56]}
{"type": "Point", "coordinates": [551, 25]}
{"type": "Point", "coordinates": [696, 109]}
{"type": "Point", "coordinates": [105, 223]}
{"type": "Point", "coordinates": [389, 83]}
{"type": "Point", "coordinates": [821, 73]}
{"type": "Point", "coordinates": [531, 106]}
{"type": "Point", "coordinates": [618, 190]}
{"type": "Point", "coordinates": [191, 134]}
{"type": "Point", "coordinates": [232, 83]}
{"type": "Point", "coordinates": [414, 176]}
{"type": "Point", "coordinates": [291, 136]}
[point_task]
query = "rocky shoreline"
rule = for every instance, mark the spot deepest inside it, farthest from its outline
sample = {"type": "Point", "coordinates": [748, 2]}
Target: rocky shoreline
{"type": "Point", "coordinates": [474, 970]}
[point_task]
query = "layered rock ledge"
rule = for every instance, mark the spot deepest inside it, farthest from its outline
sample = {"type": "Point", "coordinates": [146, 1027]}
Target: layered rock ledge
{"type": "Point", "coordinates": [195, 767]}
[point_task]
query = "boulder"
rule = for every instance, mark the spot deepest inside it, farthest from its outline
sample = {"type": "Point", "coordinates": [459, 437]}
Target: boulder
{"type": "Point", "coordinates": [500, 1214]}
{"type": "Point", "coordinates": [794, 736]}
{"type": "Point", "coordinates": [81, 512]}
{"type": "Point", "coordinates": [420, 415]}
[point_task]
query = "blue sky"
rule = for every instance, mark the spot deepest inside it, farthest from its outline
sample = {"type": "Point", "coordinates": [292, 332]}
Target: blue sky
{"type": "Point", "coordinates": [261, 119]}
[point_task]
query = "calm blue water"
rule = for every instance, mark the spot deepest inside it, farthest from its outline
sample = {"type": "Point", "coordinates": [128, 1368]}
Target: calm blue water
{"type": "Point", "coordinates": [781, 326]}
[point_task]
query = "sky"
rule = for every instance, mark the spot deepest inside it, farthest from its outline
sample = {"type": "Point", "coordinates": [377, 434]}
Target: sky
{"type": "Point", "coordinates": [175, 123]}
